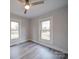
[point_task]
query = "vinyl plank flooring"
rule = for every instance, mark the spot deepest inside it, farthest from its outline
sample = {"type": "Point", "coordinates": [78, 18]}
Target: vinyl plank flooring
{"type": "Point", "coordinates": [31, 50]}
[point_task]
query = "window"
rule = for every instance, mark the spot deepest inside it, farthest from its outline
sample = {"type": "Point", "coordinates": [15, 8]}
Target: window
{"type": "Point", "coordinates": [45, 30]}
{"type": "Point", "coordinates": [14, 30]}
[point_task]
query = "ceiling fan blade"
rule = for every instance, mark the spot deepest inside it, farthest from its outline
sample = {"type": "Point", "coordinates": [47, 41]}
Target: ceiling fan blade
{"type": "Point", "coordinates": [26, 1]}
{"type": "Point", "coordinates": [21, 1]}
{"type": "Point", "coordinates": [25, 11]}
{"type": "Point", "coordinates": [36, 3]}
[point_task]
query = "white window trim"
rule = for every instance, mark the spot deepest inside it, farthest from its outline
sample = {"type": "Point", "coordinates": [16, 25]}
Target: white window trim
{"type": "Point", "coordinates": [41, 27]}
{"type": "Point", "coordinates": [18, 29]}
{"type": "Point", "coordinates": [51, 30]}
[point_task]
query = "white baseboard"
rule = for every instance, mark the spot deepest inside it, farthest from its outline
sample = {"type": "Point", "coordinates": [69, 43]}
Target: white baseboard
{"type": "Point", "coordinates": [17, 42]}
{"type": "Point", "coordinates": [53, 47]}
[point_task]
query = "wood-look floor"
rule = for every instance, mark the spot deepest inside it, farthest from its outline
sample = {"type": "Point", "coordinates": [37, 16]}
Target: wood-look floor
{"type": "Point", "coordinates": [30, 50]}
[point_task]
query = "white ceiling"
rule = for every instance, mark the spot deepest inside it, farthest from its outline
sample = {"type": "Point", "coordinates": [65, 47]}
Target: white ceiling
{"type": "Point", "coordinates": [37, 10]}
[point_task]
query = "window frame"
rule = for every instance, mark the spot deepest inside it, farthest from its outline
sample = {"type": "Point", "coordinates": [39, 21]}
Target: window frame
{"type": "Point", "coordinates": [51, 30]}
{"type": "Point", "coordinates": [41, 28]}
{"type": "Point", "coordinates": [18, 30]}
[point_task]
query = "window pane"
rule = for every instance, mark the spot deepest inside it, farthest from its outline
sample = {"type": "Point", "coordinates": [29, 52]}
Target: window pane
{"type": "Point", "coordinates": [45, 25]}
{"type": "Point", "coordinates": [14, 26]}
{"type": "Point", "coordinates": [45, 30]}
{"type": "Point", "coordinates": [45, 35]}
{"type": "Point", "coordinates": [14, 30]}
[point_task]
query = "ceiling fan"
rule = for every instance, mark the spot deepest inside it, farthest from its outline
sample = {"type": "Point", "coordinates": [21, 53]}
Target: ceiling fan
{"type": "Point", "coordinates": [27, 4]}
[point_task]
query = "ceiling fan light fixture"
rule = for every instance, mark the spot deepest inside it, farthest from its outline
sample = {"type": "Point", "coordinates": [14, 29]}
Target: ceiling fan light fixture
{"type": "Point", "coordinates": [27, 7]}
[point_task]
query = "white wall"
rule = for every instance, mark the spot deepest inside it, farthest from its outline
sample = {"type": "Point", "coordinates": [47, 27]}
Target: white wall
{"type": "Point", "coordinates": [60, 29]}
{"type": "Point", "coordinates": [29, 29]}
{"type": "Point", "coordinates": [24, 28]}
